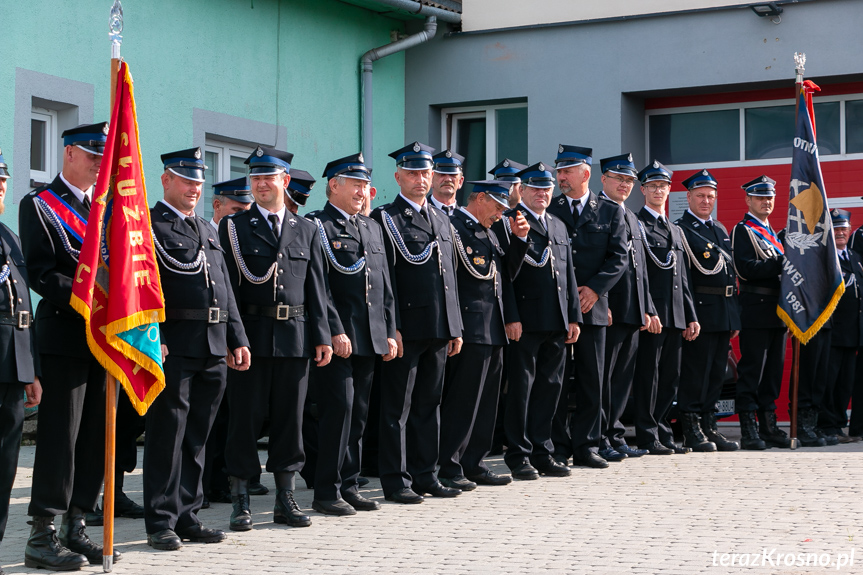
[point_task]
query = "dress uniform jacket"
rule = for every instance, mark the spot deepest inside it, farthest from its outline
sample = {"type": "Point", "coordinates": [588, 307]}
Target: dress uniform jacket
{"type": "Point", "coordinates": [528, 302]}
{"type": "Point", "coordinates": [629, 299]}
{"type": "Point", "coordinates": [426, 295]}
{"type": "Point", "coordinates": [597, 239]}
{"type": "Point", "coordinates": [18, 359]}
{"type": "Point", "coordinates": [51, 268]}
{"type": "Point", "coordinates": [194, 338]}
{"type": "Point", "coordinates": [297, 279]}
{"type": "Point", "coordinates": [715, 295]}
{"type": "Point", "coordinates": [757, 308]}
{"type": "Point", "coordinates": [669, 289]}
{"type": "Point", "coordinates": [848, 317]}
{"type": "Point", "coordinates": [367, 321]}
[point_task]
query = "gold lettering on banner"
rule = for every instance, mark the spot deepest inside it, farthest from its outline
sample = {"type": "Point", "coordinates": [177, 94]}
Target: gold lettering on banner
{"type": "Point", "coordinates": [136, 238]}
{"type": "Point", "coordinates": [124, 138]}
{"type": "Point", "coordinates": [134, 214]}
{"type": "Point", "coordinates": [126, 188]}
{"type": "Point", "coordinates": [142, 277]}
{"type": "Point", "coordinates": [139, 258]}
{"type": "Point", "coordinates": [81, 268]}
{"type": "Point", "coordinates": [125, 161]}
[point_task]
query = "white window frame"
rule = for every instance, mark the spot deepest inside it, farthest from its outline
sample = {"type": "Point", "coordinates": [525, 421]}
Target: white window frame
{"type": "Point", "coordinates": [222, 170]}
{"type": "Point", "coordinates": [742, 107]}
{"type": "Point", "coordinates": [51, 145]}
{"type": "Point", "coordinates": [470, 113]}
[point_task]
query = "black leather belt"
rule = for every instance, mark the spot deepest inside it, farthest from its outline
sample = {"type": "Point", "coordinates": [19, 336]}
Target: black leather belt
{"type": "Point", "coordinates": [726, 291]}
{"type": "Point", "coordinates": [21, 320]}
{"type": "Point", "coordinates": [210, 315]}
{"type": "Point", "coordinates": [758, 290]}
{"type": "Point", "coordinates": [280, 312]}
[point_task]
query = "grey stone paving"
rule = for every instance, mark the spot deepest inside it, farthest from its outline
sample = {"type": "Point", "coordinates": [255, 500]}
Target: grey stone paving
{"type": "Point", "coordinates": [653, 515]}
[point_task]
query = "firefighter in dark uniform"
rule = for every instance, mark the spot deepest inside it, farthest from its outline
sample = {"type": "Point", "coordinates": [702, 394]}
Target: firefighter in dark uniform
{"type": "Point", "coordinates": [363, 325]}
{"type": "Point", "coordinates": [758, 258]}
{"type": "Point", "coordinates": [422, 268]}
{"type": "Point", "coordinates": [847, 335]}
{"type": "Point", "coordinates": [447, 181]}
{"type": "Point", "coordinates": [714, 289]}
{"type": "Point", "coordinates": [277, 273]}
{"type": "Point", "coordinates": [542, 314]}
{"type": "Point", "coordinates": [657, 371]}
{"type": "Point", "coordinates": [201, 326]}
{"type": "Point", "coordinates": [298, 190]}
{"type": "Point", "coordinates": [19, 364]}
{"type": "Point", "coordinates": [506, 171]}
{"type": "Point", "coordinates": [630, 309]}
{"type": "Point", "coordinates": [597, 238]}
{"type": "Point", "coordinates": [69, 464]}
{"type": "Point", "coordinates": [855, 422]}
{"type": "Point", "coordinates": [473, 377]}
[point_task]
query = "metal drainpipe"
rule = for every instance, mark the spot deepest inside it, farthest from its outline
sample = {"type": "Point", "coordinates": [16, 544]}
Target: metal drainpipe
{"type": "Point", "coordinates": [366, 66]}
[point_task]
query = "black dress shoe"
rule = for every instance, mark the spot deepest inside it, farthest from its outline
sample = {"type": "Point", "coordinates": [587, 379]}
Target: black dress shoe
{"type": "Point", "coordinates": [205, 503]}
{"type": "Point", "coordinates": [44, 551]}
{"type": "Point", "coordinates": [631, 451]}
{"type": "Point", "coordinates": [165, 540]}
{"type": "Point", "coordinates": [611, 454]}
{"type": "Point", "coordinates": [552, 468]}
{"type": "Point", "coordinates": [405, 495]}
{"type": "Point", "coordinates": [360, 503]}
{"type": "Point", "coordinates": [74, 536]}
{"type": "Point", "coordinates": [219, 496]}
{"type": "Point", "coordinates": [589, 459]}
{"type": "Point", "coordinates": [525, 472]}
{"type": "Point", "coordinates": [458, 482]}
{"type": "Point", "coordinates": [200, 534]}
{"type": "Point", "coordinates": [336, 507]}
{"type": "Point", "coordinates": [125, 507]}
{"type": "Point", "coordinates": [489, 477]}
{"type": "Point", "coordinates": [257, 488]}
{"type": "Point", "coordinates": [362, 481]}
{"type": "Point", "coordinates": [437, 489]}
{"type": "Point", "coordinates": [678, 449]}
{"type": "Point", "coordinates": [657, 448]}
{"type": "Point", "coordinates": [95, 518]}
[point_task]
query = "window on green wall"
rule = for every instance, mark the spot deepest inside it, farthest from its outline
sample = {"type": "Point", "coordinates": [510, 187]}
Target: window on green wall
{"type": "Point", "coordinates": [44, 141]}
{"type": "Point", "coordinates": [224, 162]}
{"type": "Point", "coordinates": [484, 135]}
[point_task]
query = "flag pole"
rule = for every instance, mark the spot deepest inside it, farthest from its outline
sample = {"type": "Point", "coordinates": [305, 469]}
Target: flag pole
{"type": "Point", "coordinates": [799, 61]}
{"type": "Point", "coordinates": [111, 387]}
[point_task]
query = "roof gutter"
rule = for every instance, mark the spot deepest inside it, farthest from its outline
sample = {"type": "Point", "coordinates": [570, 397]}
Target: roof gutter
{"type": "Point", "coordinates": [419, 9]}
{"type": "Point", "coordinates": [366, 67]}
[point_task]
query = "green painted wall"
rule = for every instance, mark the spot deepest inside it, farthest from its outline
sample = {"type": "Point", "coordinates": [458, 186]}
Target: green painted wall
{"type": "Point", "coordinates": [289, 62]}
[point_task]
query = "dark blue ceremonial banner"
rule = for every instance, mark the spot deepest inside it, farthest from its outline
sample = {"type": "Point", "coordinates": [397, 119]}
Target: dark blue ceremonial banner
{"type": "Point", "coordinates": [811, 281]}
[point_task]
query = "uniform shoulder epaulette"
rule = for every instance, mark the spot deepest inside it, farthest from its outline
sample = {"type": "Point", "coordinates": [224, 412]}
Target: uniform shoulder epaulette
{"type": "Point", "coordinates": [314, 214]}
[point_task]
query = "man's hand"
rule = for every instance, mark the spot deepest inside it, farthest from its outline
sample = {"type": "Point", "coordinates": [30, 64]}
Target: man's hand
{"type": "Point", "coordinates": [655, 325]}
{"type": "Point", "coordinates": [453, 347]}
{"type": "Point", "coordinates": [609, 316]}
{"type": "Point", "coordinates": [646, 323]}
{"type": "Point", "coordinates": [400, 346]}
{"type": "Point", "coordinates": [519, 225]}
{"type": "Point", "coordinates": [587, 297]}
{"type": "Point", "coordinates": [735, 333]}
{"type": "Point", "coordinates": [572, 333]}
{"type": "Point", "coordinates": [33, 391]}
{"type": "Point", "coordinates": [164, 352]}
{"type": "Point", "coordinates": [692, 330]}
{"type": "Point", "coordinates": [323, 355]}
{"type": "Point", "coordinates": [393, 349]}
{"type": "Point", "coordinates": [240, 359]}
{"type": "Point", "coordinates": [513, 330]}
{"type": "Point", "coordinates": [342, 345]}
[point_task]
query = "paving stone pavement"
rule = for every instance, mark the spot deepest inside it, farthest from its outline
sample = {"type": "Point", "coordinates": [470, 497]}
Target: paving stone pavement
{"type": "Point", "coordinates": [654, 515]}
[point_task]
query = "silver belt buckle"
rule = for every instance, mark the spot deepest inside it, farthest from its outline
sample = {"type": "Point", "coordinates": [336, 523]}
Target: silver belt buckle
{"type": "Point", "coordinates": [213, 315]}
{"type": "Point", "coordinates": [282, 311]}
{"type": "Point", "coordinates": [24, 319]}
{"type": "Point", "coordinates": [729, 291]}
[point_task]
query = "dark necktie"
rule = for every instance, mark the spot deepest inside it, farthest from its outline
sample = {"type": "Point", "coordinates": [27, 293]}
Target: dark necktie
{"type": "Point", "coordinates": [87, 202]}
{"type": "Point", "coordinates": [424, 212]}
{"type": "Point", "coordinates": [662, 223]}
{"type": "Point", "coordinates": [355, 222]}
{"type": "Point", "coordinates": [449, 210]}
{"type": "Point", "coordinates": [843, 255]}
{"type": "Point", "coordinates": [709, 224]}
{"type": "Point", "coordinates": [274, 225]}
{"type": "Point", "coordinates": [194, 225]}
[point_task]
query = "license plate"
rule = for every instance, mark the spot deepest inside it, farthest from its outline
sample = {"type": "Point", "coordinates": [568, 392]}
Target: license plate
{"type": "Point", "coordinates": [725, 406]}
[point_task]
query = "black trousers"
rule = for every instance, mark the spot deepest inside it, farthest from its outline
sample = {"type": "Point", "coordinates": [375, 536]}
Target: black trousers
{"type": "Point", "coordinates": [469, 409]}
{"type": "Point", "coordinates": [702, 371]}
{"type": "Point", "coordinates": [178, 424]}
{"type": "Point", "coordinates": [759, 371]}
{"type": "Point", "coordinates": [657, 374]}
{"type": "Point", "coordinates": [338, 388]}
{"type": "Point", "coordinates": [130, 426]}
{"type": "Point", "coordinates": [855, 423]}
{"type": "Point", "coordinates": [814, 361]}
{"type": "Point", "coordinates": [621, 345]}
{"type": "Point", "coordinates": [70, 440]}
{"type": "Point", "coordinates": [273, 387]}
{"type": "Point", "coordinates": [833, 413]}
{"type": "Point", "coordinates": [535, 365]}
{"type": "Point", "coordinates": [585, 425]}
{"type": "Point", "coordinates": [11, 424]}
{"type": "Point", "coordinates": [411, 388]}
